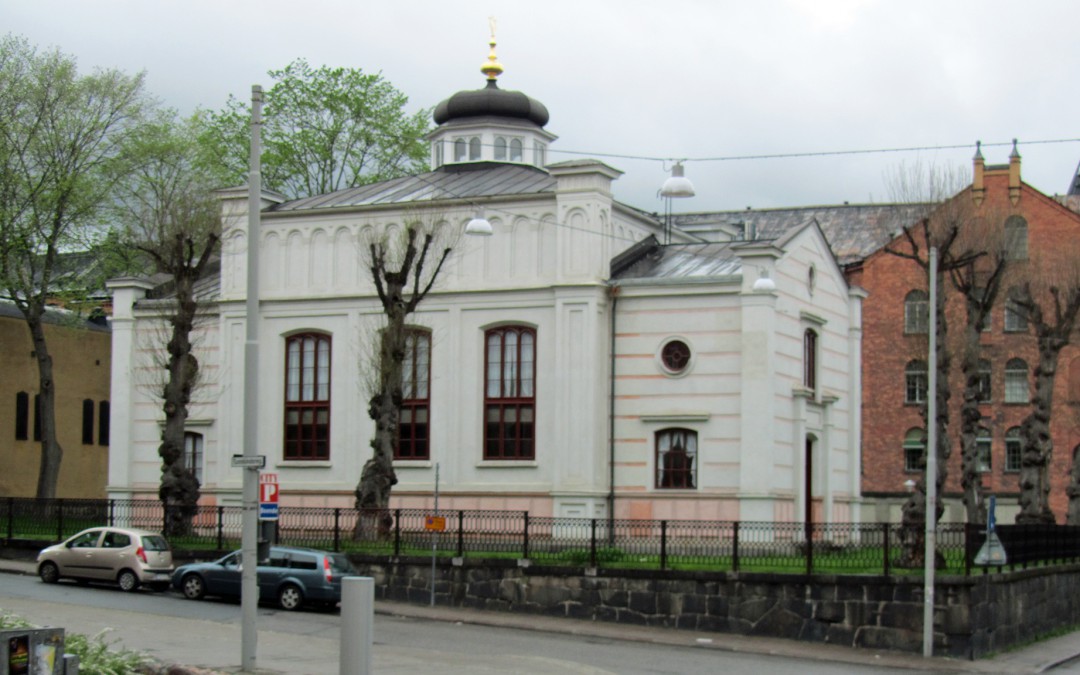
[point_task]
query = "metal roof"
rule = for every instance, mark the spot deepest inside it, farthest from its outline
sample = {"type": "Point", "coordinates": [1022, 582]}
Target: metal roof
{"type": "Point", "coordinates": [682, 261]}
{"type": "Point", "coordinates": [854, 231]}
{"type": "Point", "coordinates": [466, 181]}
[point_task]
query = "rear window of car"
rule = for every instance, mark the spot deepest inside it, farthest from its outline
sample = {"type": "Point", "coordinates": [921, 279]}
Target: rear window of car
{"type": "Point", "coordinates": [116, 540]}
{"type": "Point", "coordinates": [340, 564]}
{"type": "Point", "coordinates": [155, 543]}
{"type": "Point", "coordinates": [303, 562]}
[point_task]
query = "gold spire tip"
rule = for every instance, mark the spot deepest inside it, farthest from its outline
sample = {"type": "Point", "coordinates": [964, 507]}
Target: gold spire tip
{"type": "Point", "coordinates": [492, 68]}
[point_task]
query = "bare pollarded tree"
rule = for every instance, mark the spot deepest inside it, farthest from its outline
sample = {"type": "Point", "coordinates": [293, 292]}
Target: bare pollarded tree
{"type": "Point", "coordinates": [405, 264]}
{"type": "Point", "coordinates": [1049, 298]}
{"type": "Point", "coordinates": [949, 223]}
{"type": "Point", "coordinates": [170, 214]}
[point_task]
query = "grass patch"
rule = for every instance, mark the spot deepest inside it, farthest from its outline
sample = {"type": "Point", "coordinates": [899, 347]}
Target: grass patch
{"type": "Point", "coordinates": [97, 656]}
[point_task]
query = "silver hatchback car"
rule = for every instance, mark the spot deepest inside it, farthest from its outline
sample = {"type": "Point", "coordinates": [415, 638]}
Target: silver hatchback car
{"type": "Point", "coordinates": [130, 558]}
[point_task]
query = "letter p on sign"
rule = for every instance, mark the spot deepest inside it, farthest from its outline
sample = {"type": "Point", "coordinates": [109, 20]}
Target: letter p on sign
{"type": "Point", "coordinates": [268, 488]}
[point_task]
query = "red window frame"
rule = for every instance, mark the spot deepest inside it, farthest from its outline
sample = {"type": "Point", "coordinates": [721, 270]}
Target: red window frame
{"type": "Point", "coordinates": [510, 393]}
{"type": "Point", "coordinates": [307, 397]}
{"type": "Point", "coordinates": [414, 437]}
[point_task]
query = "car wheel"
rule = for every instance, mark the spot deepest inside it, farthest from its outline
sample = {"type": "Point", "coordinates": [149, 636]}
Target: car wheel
{"type": "Point", "coordinates": [290, 597]}
{"type": "Point", "coordinates": [193, 587]}
{"type": "Point", "coordinates": [49, 572]}
{"type": "Point", "coordinates": [127, 580]}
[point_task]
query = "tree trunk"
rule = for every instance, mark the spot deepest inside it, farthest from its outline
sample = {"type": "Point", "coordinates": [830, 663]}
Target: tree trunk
{"type": "Point", "coordinates": [51, 451]}
{"type": "Point", "coordinates": [179, 489]}
{"type": "Point", "coordinates": [1038, 445]}
{"type": "Point", "coordinates": [1073, 491]}
{"type": "Point", "coordinates": [970, 416]}
{"type": "Point", "coordinates": [384, 408]}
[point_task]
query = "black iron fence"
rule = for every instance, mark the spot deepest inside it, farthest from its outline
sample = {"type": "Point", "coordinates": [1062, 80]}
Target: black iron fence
{"type": "Point", "coordinates": [798, 548]}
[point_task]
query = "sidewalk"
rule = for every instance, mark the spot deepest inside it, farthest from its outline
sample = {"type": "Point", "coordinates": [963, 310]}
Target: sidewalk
{"type": "Point", "coordinates": [1036, 658]}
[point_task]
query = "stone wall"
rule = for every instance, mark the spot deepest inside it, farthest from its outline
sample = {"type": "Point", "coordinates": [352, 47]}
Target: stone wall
{"type": "Point", "coordinates": [974, 616]}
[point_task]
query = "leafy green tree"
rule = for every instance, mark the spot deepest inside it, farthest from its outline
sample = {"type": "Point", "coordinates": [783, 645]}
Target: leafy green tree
{"type": "Point", "coordinates": [169, 213]}
{"type": "Point", "coordinates": [324, 129]}
{"type": "Point", "coordinates": [63, 147]}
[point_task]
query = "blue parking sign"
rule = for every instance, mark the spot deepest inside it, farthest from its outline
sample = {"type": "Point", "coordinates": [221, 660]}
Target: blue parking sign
{"type": "Point", "coordinates": [268, 511]}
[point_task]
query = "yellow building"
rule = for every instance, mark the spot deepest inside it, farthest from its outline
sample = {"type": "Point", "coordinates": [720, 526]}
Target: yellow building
{"type": "Point", "coordinates": [81, 366]}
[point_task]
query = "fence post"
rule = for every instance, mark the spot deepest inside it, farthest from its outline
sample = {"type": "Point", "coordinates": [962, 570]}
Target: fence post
{"type": "Point", "coordinates": [735, 548]}
{"type": "Point", "coordinates": [886, 553]}
{"type": "Point", "coordinates": [525, 542]}
{"type": "Point", "coordinates": [663, 544]}
{"type": "Point", "coordinates": [59, 519]}
{"type": "Point", "coordinates": [397, 532]}
{"type": "Point", "coordinates": [337, 529]}
{"type": "Point", "coordinates": [221, 528]}
{"type": "Point", "coordinates": [592, 544]}
{"type": "Point", "coordinates": [809, 536]}
{"type": "Point", "coordinates": [11, 519]}
{"type": "Point", "coordinates": [460, 533]}
{"type": "Point", "coordinates": [112, 512]}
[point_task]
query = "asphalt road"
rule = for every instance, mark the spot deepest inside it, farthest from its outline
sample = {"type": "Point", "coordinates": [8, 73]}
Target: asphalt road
{"type": "Point", "coordinates": [207, 634]}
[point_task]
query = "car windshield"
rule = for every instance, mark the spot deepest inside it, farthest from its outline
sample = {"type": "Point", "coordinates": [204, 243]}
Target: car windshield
{"type": "Point", "coordinates": [339, 564]}
{"type": "Point", "coordinates": [155, 543]}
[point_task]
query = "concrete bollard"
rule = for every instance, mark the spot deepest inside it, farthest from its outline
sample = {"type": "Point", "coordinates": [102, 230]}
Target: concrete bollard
{"type": "Point", "coordinates": [357, 624]}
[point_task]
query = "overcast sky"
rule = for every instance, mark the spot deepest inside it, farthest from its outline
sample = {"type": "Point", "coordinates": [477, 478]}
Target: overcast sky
{"type": "Point", "coordinates": [635, 83]}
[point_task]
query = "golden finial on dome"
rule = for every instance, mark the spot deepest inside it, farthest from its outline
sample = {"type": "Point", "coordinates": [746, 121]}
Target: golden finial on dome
{"type": "Point", "coordinates": [492, 68]}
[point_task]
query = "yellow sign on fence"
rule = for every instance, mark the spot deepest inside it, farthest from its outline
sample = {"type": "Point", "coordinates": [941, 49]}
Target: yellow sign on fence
{"type": "Point", "coordinates": [436, 523]}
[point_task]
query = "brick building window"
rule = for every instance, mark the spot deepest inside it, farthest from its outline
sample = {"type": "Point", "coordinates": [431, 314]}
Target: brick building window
{"type": "Point", "coordinates": [1016, 381]}
{"type": "Point", "coordinates": [1015, 317]}
{"type": "Point", "coordinates": [22, 416]}
{"type": "Point", "coordinates": [87, 422]}
{"type": "Point", "coordinates": [1016, 238]}
{"type": "Point", "coordinates": [1013, 449]}
{"type": "Point", "coordinates": [103, 423]}
{"type": "Point", "coordinates": [984, 378]}
{"type": "Point", "coordinates": [914, 448]}
{"type": "Point", "coordinates": [916, 382]}
{"type": "Point", "coordinates": [676, 459]}
{"type": "Point", "coordinates": [916, 312]}
{"type": "Point", "coordinates": [983, 447]}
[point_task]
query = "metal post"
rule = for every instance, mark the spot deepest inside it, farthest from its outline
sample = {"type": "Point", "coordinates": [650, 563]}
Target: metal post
{"type": "Point", "coordinates": [434, 536]}
{"type": "Point", "coordinates": [357, 624]}
{"type": "Point", "coordinates": [249, 589]}
{"type": "Point", "coordinates": [930, 554]}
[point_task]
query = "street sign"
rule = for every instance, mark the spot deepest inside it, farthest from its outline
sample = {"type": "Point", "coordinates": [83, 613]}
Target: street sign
{"type": "Point", "coordinates": [435, 523]}
{"type": "Point", "coordinates": [268, 496]}
{"type": "Point", "coordinates": [249, 461]}
{"type": "Point", "coordinates": [268, 488]}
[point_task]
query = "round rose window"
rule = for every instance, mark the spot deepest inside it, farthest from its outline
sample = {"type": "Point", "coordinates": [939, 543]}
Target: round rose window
{"type": "Point", "coordinates": [675, 356]}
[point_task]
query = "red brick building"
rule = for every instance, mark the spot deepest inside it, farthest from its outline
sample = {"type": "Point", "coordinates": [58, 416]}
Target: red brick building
{"type": "Point", "coordinates": [895, 349]}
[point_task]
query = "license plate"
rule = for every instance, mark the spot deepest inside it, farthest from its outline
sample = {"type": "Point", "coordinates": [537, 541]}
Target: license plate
{"type": "Point", "coordinates": [161, 577]}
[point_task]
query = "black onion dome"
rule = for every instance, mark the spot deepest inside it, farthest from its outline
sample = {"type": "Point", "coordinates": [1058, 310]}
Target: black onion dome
{"type": "Point", "coordinates": [491, 101]}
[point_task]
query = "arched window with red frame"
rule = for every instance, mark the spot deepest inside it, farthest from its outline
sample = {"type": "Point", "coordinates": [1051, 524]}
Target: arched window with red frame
{"type": "Point", "coordinates": [307, 397]}
{"type": "Point", "coordinates": [414, 438]}
{"type": "Point", "coordinates": [510, 393]}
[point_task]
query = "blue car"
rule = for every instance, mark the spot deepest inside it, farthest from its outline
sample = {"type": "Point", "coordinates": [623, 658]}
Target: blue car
{"type": "Point", "coordinates": [291, 576]}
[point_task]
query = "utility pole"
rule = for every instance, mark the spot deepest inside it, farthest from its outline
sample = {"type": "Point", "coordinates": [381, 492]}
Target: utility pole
{"type": "Point", "coordinates": [930, 553]}
{"type": "Point", "coordinates": [249, 588]}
